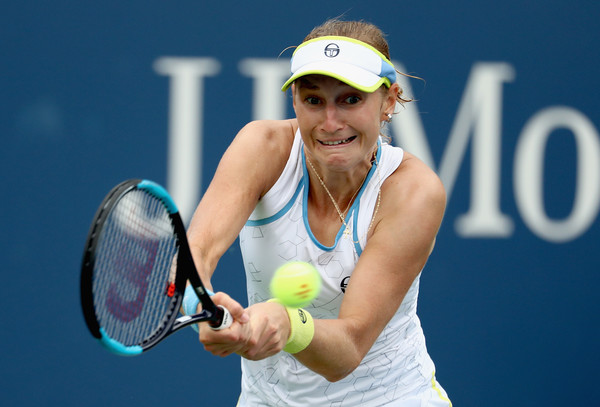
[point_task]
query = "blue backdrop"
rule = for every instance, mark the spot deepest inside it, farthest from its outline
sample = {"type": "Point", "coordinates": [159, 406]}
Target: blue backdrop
{"type": "Point", "coordinates": [510, 314]}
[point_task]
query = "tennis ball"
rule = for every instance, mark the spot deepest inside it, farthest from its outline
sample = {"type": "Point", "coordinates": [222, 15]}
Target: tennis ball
{"type": "Point", "coordinates": [295, 284]}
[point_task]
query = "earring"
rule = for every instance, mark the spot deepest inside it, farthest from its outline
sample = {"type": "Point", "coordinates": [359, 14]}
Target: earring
{"type": "Point", "coordinates": [389, 118]}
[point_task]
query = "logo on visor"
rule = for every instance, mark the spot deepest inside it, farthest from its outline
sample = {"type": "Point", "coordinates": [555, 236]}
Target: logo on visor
{"type": "Point", "coordinates": [331, 50]}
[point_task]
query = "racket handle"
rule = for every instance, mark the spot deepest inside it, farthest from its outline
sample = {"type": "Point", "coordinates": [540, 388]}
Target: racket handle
{"type": "Point", "coordinates": [222, 319]}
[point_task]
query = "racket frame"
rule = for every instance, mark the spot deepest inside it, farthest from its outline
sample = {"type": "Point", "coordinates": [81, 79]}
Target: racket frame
{"type": "Point", "coordinates": [217, 316]}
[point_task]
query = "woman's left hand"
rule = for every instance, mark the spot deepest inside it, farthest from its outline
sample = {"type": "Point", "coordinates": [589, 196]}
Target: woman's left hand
{"type": "Point", "coordinates": [263, 333]}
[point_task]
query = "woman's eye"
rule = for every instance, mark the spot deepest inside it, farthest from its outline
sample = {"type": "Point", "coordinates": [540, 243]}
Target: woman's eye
{"type": "Point", "coordinates": [312, 100]}
{"type": "Point", "coordinates": [352, 99]}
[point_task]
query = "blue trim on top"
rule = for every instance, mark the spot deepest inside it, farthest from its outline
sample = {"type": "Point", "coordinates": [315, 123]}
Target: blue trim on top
{"type": "Point", "coordinates": [355, 240]}
{"type": "Point", "coordinates": [282, 211]}
{"type": "Point", "coordinates": [117, 347]}
{"type": "Point", "coordinates": [356, 202]}
{"type": "Point", "coordinates": [158, 191]}
{"type": "Point", "coordinates": [354, 208]}
{"type": "Point", "coordinates": [306, 183]}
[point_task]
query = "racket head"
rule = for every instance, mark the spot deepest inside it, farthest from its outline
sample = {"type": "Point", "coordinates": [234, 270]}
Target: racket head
{"type": "Point", "coordinates": [135, 266]}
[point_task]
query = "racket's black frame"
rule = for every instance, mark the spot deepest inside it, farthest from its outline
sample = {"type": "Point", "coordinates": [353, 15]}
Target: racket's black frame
{"type": "Point", "coordinates": [186, 271]}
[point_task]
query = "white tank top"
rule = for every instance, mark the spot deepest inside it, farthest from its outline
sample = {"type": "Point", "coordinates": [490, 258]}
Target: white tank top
{"type": "Point", "coordinates": [397, 366]}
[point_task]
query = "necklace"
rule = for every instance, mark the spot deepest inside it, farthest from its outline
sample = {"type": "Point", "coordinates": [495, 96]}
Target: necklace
{"type": "Point", "coordinates": [341, 214]}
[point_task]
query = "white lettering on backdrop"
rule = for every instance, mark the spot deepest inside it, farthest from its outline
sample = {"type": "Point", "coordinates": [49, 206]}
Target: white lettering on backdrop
{"type": "Point", "coordinates": [478, 120]}
{"type": "Point", "coordinates": [186, 97]}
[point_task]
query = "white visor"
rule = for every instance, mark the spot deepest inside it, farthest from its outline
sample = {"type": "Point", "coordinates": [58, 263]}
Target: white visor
{"type": "Point", "coordinates": [351, 61]}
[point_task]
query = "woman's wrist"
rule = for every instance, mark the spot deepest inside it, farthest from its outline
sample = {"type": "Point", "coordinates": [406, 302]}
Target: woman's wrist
{"type": "Point", "coordinates": [302, 329]}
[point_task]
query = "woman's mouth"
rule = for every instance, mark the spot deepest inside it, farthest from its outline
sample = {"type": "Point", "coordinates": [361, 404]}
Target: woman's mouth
{"type": "Point", "coordinates": [337, 142]}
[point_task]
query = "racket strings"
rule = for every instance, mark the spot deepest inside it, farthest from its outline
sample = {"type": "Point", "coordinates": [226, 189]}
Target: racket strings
{"type": "Point", "coordinates": [133, 261]}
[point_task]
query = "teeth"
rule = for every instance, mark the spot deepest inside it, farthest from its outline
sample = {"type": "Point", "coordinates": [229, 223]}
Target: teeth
{"type": "Point", "coordinates": [335, 143]}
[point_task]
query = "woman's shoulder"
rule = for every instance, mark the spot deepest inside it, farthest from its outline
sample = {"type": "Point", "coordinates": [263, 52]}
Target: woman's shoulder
{"type": "Point", "coordinates": [280, 131]}
{"type": "Point", "coordinates": [271, 140]}
{"type": "Point", "coordinates": [413, 179]}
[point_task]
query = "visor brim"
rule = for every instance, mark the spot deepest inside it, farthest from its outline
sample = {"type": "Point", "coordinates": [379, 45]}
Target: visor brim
{"type": "Point", "coordinates": [352, 75]}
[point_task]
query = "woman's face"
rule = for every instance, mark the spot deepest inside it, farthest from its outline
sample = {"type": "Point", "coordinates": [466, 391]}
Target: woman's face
{"type": "Point", "coordinates": [339, 124]}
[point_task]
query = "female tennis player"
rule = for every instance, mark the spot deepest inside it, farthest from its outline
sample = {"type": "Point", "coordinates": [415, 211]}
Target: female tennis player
{"type": "Point", "coordinates": [327, 189]}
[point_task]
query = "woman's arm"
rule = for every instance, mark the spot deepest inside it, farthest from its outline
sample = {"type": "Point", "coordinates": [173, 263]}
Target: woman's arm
{"type": "Point", "coordinates": [412, 206]}
{"type": "Point", "coordinates": [248, 169]}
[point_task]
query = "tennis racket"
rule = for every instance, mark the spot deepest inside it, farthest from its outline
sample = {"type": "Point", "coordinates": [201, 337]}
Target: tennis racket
{"type": "Point", "coordinates": [136, 265]}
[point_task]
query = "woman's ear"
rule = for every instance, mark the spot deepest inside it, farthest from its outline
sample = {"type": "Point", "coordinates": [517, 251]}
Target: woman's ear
{"type": "Point", "coordinates": [392, 98]}
{"type": "Point", "coordinates": [388, 106]}
{"type": "Point", "coordinates": [293, 87]}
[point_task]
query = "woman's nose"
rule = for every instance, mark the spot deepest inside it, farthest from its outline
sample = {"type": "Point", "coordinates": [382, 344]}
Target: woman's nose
{"type": "Point", "coordinates": [332, 119]}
